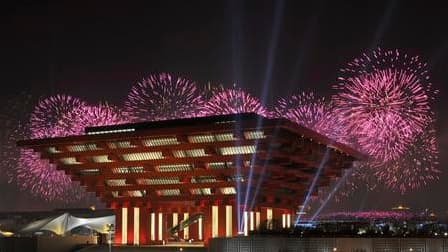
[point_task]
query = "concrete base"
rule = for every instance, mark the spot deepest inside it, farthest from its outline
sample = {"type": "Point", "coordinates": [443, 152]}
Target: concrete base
{"type": "Point", "coordinates": [275, 244]}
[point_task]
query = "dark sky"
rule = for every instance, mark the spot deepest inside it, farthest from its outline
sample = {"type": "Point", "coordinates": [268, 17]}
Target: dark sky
{"type": "Point", "coordinates": [97, 50]}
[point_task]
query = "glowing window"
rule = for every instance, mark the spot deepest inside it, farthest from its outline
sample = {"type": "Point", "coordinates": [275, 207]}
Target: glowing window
{"type": "Point", "coordinates": [209, 138]}
{"type": "Point", "coordinates": [116, 182]}
{"type": "Point", "coordinates": [201, 191]}
{"type": "Point", "coordinates": [225, 137]}
{"type": "Point", "coordinates": [190, 153]}
{"type": "Point", "coordinates": [69, 161]}
{"type": "Point", "coordinates": [142, 156]}
{"type": "Point", "coordinates": [228, 190]}
{"type": "Point", "coordinates": [236, 178]}
{"type": "Point", "coordinates": [89, 172]}
{"type": "Point", "coordinates": [169, 192]}
{"type": "Point", "coordinates": [121, 145]}
{"type": "Point", "coordinates": [101, 159]}
{"type": "Point", "coordinates": [53, 150]}
{"type": "Point", "coordinates": [136, 193]}
{"type": "Point", "coordinates": [256, 134]}
{"type": "Point", "coordinates": [201, 139]}
{"type": "Point", "coordinates": [203, 179]}
{"type": "Point", "coordinates": [160, 141]}
{"type": "Point", "coordinates": [174, 167]}
{"type": "Point", "coordinates": [83, 147]}
{"type": "Point", "coordinates": [237, 150]}
{"type": "Point", "coordinates": [161, 181]}
{"type": "Point", "coordinates": [220, 165]}
{"type": "Point", "coordinates": [121, 170]}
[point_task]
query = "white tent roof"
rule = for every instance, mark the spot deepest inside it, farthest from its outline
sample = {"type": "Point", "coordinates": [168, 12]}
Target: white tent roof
{"type": "Point", "coordinates": [66, 222]}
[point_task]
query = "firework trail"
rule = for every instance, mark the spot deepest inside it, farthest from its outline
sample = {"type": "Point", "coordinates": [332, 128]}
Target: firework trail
{"type": "Point", "coordinates": [209, 90]}
{"type": "Point", "coordinates": [162, 97]}
{"type": "Point", "coordinates": [47, 118]}
{"type": "Point", "coordinates": [233, 101]}
{"type": "Point", "coordinates": [89, 116]}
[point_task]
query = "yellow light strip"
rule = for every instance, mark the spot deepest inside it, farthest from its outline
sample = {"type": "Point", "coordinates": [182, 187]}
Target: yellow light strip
{"type": "Point", "coordinates": [175, 220]}
{"type": "Point", "coordinates": [136, 226]}
{"type": "Point", "coordinates": [215, 221]}
{"type": "Point", "coordinates": [160, 226]}
{"type": "Point", "coordinates": [229, 220]}
{"type": "Point", "coordinates": [246, 224]}
{"type": "Point", "coordinates": [200, 229]}
{"type": "Point", "coordinates": [257, 220]}
{"type": "Point", "coordinates": [124, 225]}
{"type": "Point", "coordinates": [153, 226]}
{"type": "Point", "coordinates": [186, 230]}
{"type": "Point", "coordinates": [252, 221]}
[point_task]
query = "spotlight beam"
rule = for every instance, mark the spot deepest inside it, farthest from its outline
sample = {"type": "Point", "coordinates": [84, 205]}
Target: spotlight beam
{"type": "Point", "coordinates": [330, 195]}
{"type": "Point", "coordinates": [268, 74]}
{"type": "Point", "coordinates": [314, 182]}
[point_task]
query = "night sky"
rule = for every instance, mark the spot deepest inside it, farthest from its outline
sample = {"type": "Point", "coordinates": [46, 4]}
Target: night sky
{"type": "Point", "coordinates": [97, 51]}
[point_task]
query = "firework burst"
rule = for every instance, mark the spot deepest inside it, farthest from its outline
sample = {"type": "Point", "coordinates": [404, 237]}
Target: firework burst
{"type": "Point", "coordinates": [312, 112]}
{"type": "Point", "coordinates": [416, 167]}
{"type": "Point", "coordinates": [384, 99]}
{"type": "Point", "coordinates": [162, 97]}
{"type": "Point", "coordinates": [233, 101]}
{"type": "Point", "coordinates": [13, 110]}
{"type": "Point", "coordinates": [47, 118]}
{"type": "Point", "coordinates": [41, 179]}
{"type": "Point", "coordinates": [89, 116]}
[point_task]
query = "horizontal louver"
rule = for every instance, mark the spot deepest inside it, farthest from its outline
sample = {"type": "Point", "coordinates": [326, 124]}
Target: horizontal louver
{"type": "Point", "coordinates": [83, 147]}
{"type": "Point", "coordinates": [163, 181]}
{"type": "Point", "coordinates": [174, 167]}
{"type": "Point", "coordinates": [160, 141]}
{"type": "Point", "coordinates": [237, 150]}
{"type": "Point", "coordinates": [142, 156]}
{"type": "Point", "coordinates": [121, 170]}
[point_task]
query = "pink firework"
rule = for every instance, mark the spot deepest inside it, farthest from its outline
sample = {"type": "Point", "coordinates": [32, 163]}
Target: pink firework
{"type": "Point", "coordinates": [89, 116]}
{"type": "Point", "coordinates": [382, 95]}
{"type": "Point", "coordinates": [42, 179]}
{"type": "Point", "coordinates": [305, 109]}
{"type": "Point", "coordinates": [47, 118]}
{"type": "Point", "coordinates": [162, 97]}
{"type": "Point", "coordinates": [312, 112]}
{"type": "Point", "coordinates": [233, 101]}
{"type": "Point", "coordinates": [416, 168]}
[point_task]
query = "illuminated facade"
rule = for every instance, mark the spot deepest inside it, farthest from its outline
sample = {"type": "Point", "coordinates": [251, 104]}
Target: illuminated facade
{"type": "Point", "coordinates": [181, 178]}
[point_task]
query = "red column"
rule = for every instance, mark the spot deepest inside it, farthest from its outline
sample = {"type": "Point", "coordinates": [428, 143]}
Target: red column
{"type": "Point", "coordinates": [180, 234]}
{"type": "Point", "coordinates": [263, 217]}
{"type": "Point", "coordinates": [234, 220]}
{"type": "Point", "coordinates": [144, 225]}
{"type": "Point", "coordinates": [221, 220]}
{"type": "Point", "coordinates": [118, 217]}
{"type": "Point", "coordinates": [207, 224]}
{"type": "Point", "coordinates": [169, 223]}
{"type": "Point", "coordinates": [130, 225]}
{"type": "Point", "coordinates": [193, 229]}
